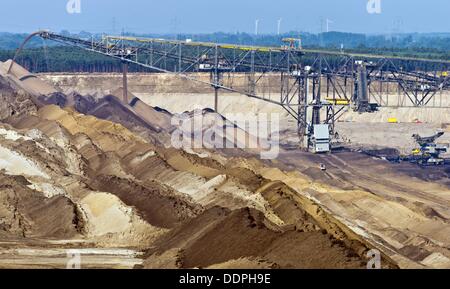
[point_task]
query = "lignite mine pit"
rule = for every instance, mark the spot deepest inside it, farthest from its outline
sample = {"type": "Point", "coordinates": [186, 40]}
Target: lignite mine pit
{"type": "Point", "coordinates": [81, 170]}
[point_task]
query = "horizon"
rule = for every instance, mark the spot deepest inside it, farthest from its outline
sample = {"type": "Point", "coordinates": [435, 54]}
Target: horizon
{"type": "Point", "coordinates": [202, 17]}
{"type": "Point", "coordinates": [240, 32]}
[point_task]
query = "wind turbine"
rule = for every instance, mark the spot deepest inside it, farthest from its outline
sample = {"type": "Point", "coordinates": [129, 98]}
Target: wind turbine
{"type": "Point", "coordinates": [256, 26]}
{"type": "Point", "coordinates": [279, 26]}
{"type": "Point", "coordinates": [328, 24]}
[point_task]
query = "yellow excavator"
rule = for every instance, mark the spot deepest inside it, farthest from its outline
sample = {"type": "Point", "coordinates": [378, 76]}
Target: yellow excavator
{"type": "Point", "coordinates": [428, 153]}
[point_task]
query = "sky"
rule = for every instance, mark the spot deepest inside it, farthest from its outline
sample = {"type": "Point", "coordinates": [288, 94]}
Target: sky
{"type": "Point", "coordinates": [206, 16]}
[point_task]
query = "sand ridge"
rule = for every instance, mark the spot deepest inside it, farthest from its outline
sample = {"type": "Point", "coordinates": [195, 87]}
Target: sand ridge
{"type": "Point", "coordinates": [127, 189]}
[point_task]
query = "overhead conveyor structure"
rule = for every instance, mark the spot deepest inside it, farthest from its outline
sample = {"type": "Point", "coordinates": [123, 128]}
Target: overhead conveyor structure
{"type": "Point", "coordinates": [315, 87]}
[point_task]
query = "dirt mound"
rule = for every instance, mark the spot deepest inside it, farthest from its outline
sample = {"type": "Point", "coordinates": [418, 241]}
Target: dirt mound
{"type": "Point", "coordinates": [111, 103]}
{"type": "Point", "coordinates": [146, 112]}
{"type": "Point", "coordinates": [280, 198]}
{"type": "Point", "coordinates": [110, 222]}
{"type": "Point", "coordinates": [246, 177]}
{"type": "Point", "coordinates": [157, 205]}
{"type": "Point", "coordinates": [182, 161]}
{"type": "Point", "coordinates": [169, 210]}
{"type": "Point", "coordinates": [109, 136]}
{"type": "Point", "coordinates": [207, 128]}
{"type": "Point", "coordinates": [26, 80]}
{"type": "Point", "coordinates": [106, 177]}
{"type": "Point", "coordinates": [136, 115]}
{"type": "Point", "coordinates": [14, 101]}
{"type": "Point", "coordinates": [246, 264]}
{"type": "Point", "coordinates": [245, 233]}
{"type": "Point", "coordinates": [28, 213]}
{"type": "Point", "coordinates": [58, 151]}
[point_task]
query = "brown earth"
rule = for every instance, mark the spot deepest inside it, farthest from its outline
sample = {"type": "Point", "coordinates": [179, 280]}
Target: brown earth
{"type": "Point", "coordinates": [245, 233]}
{"type": "Point", "coordinates": [29, 214]}
{"type": "Point", "coordinates": [104, 179]}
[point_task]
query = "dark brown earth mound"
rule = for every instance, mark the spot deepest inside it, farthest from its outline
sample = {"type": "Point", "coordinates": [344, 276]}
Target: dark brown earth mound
{"type": "Point", "coordinates": [158, 205]}
{"type": "Point", "coordinates": [246, 177]}
{"type": "Point", "coordinates": [98, 170]}
{"type": "Point", "coordinates": [220, 235]}
{"type": "Point", "coordinates": [13, 101]}
{"type": "Point", "coordinates": [280, 197]}
{"type": "Point", "coordinates": [27, 213]}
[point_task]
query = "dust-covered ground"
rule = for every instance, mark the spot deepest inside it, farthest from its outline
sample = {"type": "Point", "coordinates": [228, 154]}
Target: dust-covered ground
{"type": "Point", "coordinates": [93, 174]}
{"type": "Point", "coordinates": [91, 181]}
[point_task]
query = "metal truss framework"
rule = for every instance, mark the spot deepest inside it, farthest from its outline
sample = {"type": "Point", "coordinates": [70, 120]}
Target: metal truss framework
{"type": "Point", "coordinates": [305, 79]}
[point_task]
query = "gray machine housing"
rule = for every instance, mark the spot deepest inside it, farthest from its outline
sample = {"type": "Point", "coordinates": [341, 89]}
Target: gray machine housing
{"type": "Point", "coordinates": [321, 138]}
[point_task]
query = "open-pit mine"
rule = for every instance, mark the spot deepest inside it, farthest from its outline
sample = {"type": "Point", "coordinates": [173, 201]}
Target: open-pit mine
{"type": "Point", "coordinates": [89, 170]}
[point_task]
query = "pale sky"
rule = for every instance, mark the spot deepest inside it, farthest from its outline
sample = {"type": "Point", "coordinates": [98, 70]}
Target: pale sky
{"type": "Point", "coordinates": [205, 16]}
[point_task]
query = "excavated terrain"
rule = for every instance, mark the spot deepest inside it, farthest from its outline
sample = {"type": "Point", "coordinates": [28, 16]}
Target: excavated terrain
{"type": "Point", "coordinates": [97, 176]}
{"type": "Point", "coordinates": [91, 173]}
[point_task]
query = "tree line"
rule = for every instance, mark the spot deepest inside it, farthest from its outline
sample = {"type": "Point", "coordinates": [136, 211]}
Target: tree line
{"type": "Point", "coordinates": [40, 56]}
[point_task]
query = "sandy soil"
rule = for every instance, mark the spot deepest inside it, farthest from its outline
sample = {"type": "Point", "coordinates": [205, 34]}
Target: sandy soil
{"type": "Point", "coordinates": [103, 171]}
{"type": "Point", "coordinates": [126, 190]}
{"type": "Point", "coordinates": [402, 207]}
